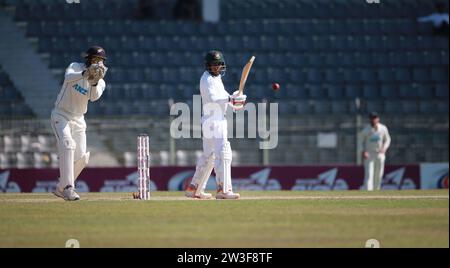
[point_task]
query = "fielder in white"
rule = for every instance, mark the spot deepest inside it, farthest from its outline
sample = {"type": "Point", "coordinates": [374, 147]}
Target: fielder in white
{"type": "Point", "coordinates": [376, 141]}
{"type": "Point", "coordinates": [216, 148]}
{"type": "Point", "coordinates": [83, 82]}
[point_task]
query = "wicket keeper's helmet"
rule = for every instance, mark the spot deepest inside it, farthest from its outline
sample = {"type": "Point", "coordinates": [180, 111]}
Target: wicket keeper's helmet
{"type": "Point", "coordinates": [95, 51]}
{"type": "Point", "coordinates": [215, 58]}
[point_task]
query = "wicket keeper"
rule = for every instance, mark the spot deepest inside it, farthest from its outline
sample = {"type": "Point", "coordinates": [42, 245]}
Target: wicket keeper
{"type": "Point", "coordinates": [83, 82]}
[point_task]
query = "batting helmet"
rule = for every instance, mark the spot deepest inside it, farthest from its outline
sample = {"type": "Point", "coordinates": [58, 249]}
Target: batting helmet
{"type": "Point", "coordinates": [215, 58]}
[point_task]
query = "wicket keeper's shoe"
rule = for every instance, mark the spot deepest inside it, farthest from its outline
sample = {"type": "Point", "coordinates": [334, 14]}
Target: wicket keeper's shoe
{"type": "Point", "coordinates": [190, 192]}
{"type": "Point", "coordinates": [70, 194]}
{"type": "Point", "coordinates": [58, 192]}
{"type": "Point", "coordinates": [228, 195]}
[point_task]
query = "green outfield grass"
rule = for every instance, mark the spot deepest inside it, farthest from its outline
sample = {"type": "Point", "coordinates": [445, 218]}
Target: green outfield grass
{"type": "Point", "coordinates": [259, 219]}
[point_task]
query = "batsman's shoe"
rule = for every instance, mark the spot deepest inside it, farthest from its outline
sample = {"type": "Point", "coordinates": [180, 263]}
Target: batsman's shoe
{"type": "Point", "coordinates": [229, 195]}
{"type": "Point", "coordinates": [70, 194]}
{"type": "Point", "coordinates": [58, 192]}
{"type": "Point", "coordinates": [203, 195]}
{"type": "Point", "coordinates": [190, 192]}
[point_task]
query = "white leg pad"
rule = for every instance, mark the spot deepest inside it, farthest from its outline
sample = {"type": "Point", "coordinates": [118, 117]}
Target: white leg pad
{"type": "Point", "coordinates": [203, 170]}
{"type": "Point", "coordinates": [223, 168]}
{"type": "Point", "coordinates": [66, 162]}
{"type": "Point", "coordinates": [80, 164]}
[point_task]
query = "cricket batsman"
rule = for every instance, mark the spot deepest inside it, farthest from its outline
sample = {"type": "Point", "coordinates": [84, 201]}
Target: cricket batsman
{"type": "Point", "coordinates": [376, 141]}
{"type": "Point", "coordinates": [83, 82]}
{"type": "Point", "coordinates": [216, 148]}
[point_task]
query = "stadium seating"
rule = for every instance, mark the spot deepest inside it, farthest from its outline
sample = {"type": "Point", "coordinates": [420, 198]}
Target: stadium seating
{"type": "Point", "coordinates": [325, 54]}
{"type": "Point", "coordinates": [11, 101]}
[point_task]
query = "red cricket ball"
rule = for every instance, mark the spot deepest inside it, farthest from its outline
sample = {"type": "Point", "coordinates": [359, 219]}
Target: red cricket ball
{"type": "Point", "coordinates": [275, 86]}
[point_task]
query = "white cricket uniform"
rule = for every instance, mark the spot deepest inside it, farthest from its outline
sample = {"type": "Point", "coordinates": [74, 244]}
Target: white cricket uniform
{"type": "Point", "coordinates": [216, 148]}
{"type": "Point", "coordinates": [375, 139]}
{"type": "Point", "coordinates": [68, 122]}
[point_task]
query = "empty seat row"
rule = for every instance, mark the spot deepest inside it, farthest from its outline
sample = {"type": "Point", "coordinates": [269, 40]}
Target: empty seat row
{"type": "Point", "coordinates": [185, 91]}
{"type": "Point", "coordinates": [277, 59]}
{"type": "Point", "coordinates": [285, 75]}
{"type": "Point", "coordinates": [316, 44]}
{"type": "Point", "coordinates": [28, 160]}
{"type": "Point", "coordinates": [112, 10]}
{"type": "Point", "coordinates": [26, 143]}
{"type": "Point", "coordinates": [324, 9]}
{"type": "Point", "coordinates": [347, 107]}
{"type": "Point", "coordinates": [234, 28]}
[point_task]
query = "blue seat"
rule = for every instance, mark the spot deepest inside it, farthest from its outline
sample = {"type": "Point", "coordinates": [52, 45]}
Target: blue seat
{"type": "Point", "coordinates": [386, 75]}
{"type": "Point", "coordinates": [444, 58]}
{"type": "Point", "coordinates": [314, 60]}
{"type": "Point", "coordinates": [314, 75]}
{"type": "Point", "coordinates": [260, 75]}
{"type": "Point", "coordinates": [320, 43]}
{"type": "Point", "coordinates": [350, 75]}
{"type": "Point", "coordinates": [331, 60]}
{"type": "Point", "coordinates": [372, 43]}
{"type": "Point", "coordinates": [402, 75]}
{"type": "Point", "coordinates": [286, 108]}
{"type": "Point", "coordinates": [367, 75]}
{"type": "Point", "coordinates": [135, 75]}
{"type": "Point", "coordinates": [371, 27]}
{"type": "Point", "coordinates": [116, 75]}
{"type": "Point", "coordinates": [302, 107]}
{"type": "Point", "coordinates": [353, 91]}
{"type": "Point", "coordinates": [34, 28]}
{"type": "Point", "coordinates": [274, 59]}
{"type": "Point", "coordinates": [130, 108]}
{"type": "Point", "coordinates": [410, 107]}
{"type": "Point", "coordinates": [335, 92]}
{"type": "Point", "coordinates": [322, 107]}
{"type": "Point", "coordinates": [426, 107]}
{"type": "Point", "coordinates": [420, 75]}
{"type": "Point", "coordinates": [297, 76]}
{"type": "Point", "coordinates": [439, 75]}
{"type": "Point", "coordinates": [296, 91]}
{"type": "Point", "coordinates": [297, 60]}
{"type": "Point", "coordinates": [332, 76]}
{"type": "Point", "coordinates": [316, 92]}
{"type": "Point", "coordinates": [431, 58]}
{"type": "Point", "coordinates": [111, 109]}
{"type": "Point", "coordinates": [392, 107]}
{"type": "Point", "coordinates": [408, 91]}
{"type": "Point", "coordinates": [441, 91]}
{"type": "Point", "coordinates": [424, 91]}
{"type": "Point", "coordinates": [370, 91]}
{"type": "Point", "coordinates": [339, 107]}
{"type": "Point", "coordinates": [388, 91]}
{"type": "Point", "coordinates": [169, 91]}
{"type": "Point", "coordinates": [275, 74]}
{"type": "Point", "coordinates": [371, 106]}
{"type": "Point", "coordinates": [268, 43]}
{"type": "Point", "coordinates": [442, 106]}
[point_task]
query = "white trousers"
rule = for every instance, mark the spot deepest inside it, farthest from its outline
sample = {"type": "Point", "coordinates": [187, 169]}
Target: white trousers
{"type": "Point", "coordinates": [71, 137]}
{"type": "Point", "coordinates": [216, 154]}
{"type": "Point", "coordinates": [374, 170]}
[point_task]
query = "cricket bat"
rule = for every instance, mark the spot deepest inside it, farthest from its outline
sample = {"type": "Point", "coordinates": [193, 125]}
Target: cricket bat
{"type": "Point", "coordinates": [244, 74]}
